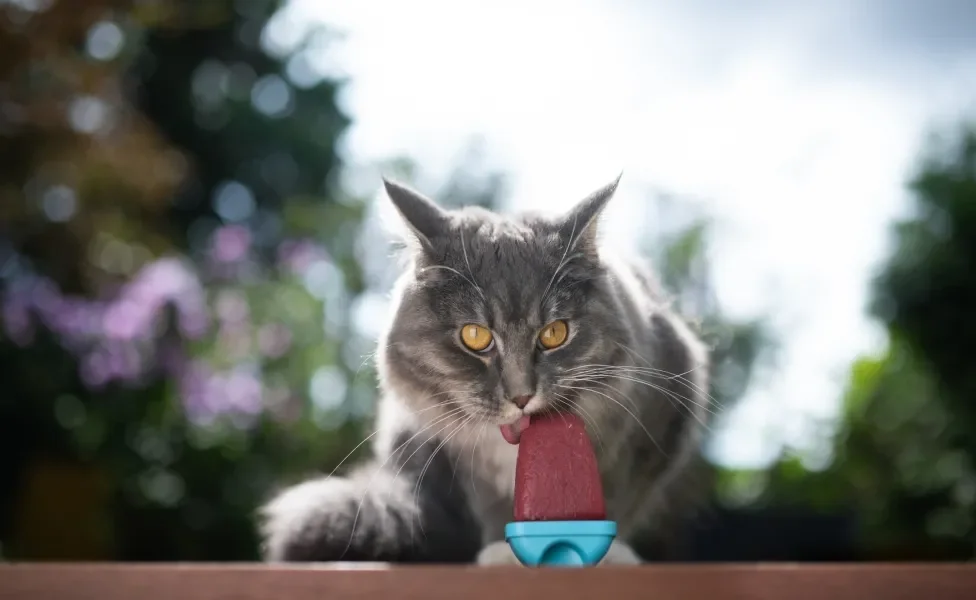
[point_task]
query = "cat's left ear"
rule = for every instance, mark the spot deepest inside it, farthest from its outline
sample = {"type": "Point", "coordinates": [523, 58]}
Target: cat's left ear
{"type": "Point", "coordinates": [581, 224]}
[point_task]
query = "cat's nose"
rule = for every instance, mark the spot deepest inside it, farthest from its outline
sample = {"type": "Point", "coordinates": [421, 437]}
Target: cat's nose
{"type": "Point", "coordinates": [521, 401]}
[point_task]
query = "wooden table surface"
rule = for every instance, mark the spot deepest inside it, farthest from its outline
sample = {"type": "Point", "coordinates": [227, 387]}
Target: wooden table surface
{"type": "Point", "coordinates": [324, 582]}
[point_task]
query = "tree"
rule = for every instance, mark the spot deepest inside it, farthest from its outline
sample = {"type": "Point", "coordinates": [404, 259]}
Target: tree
{"type": "Point", "coordinates": [904, 454]}
{"type": "Point", "coordinates": [178, 268]}
{"type": "Point", "coordinates": [925, 295]}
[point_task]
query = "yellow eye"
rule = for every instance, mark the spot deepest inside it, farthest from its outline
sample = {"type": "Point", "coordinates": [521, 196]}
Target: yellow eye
{"type": "Point", "coordinates": [554, 335]}
{"type": "Point", "coordinates": [476, 337]}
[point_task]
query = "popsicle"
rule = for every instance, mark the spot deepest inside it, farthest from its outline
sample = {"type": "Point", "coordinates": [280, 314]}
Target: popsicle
{"type": "Point", "coordinates": [559, 510]}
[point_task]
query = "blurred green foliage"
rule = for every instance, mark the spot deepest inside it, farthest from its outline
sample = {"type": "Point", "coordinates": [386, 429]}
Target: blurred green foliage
{"type": "Point", "coordinates": [178, 272]}
{"type": "Point", "coordinates": [904, 451]}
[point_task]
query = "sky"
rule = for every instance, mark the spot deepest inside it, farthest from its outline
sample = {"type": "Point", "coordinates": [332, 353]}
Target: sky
{"type": "Point", "coordinates": [794, 125]}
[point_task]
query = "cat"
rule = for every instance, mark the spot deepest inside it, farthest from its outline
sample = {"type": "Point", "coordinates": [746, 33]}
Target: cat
{"type": "Point", "coordinates": [495, 318]}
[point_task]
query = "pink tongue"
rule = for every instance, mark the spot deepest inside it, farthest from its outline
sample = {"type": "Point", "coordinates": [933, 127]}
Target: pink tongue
{"type": "Point", "coordinates": [513, 431]}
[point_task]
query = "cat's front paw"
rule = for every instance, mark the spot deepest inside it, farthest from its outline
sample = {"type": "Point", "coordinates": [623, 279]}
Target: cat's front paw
{"type": "Point", "coordinates": [327, 520]}
{"type": "Point", "coordinates": [500, 554]}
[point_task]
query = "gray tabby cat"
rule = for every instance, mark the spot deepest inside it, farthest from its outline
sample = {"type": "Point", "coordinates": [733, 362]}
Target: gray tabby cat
{"type": "Point", "coordinates": [497, 318]}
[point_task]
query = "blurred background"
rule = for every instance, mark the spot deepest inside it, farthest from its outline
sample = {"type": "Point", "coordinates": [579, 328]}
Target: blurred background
{"type": "Point", "coordinates": [193, 264]}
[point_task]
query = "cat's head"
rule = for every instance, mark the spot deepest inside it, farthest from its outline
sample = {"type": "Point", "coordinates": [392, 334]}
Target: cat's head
{"type": "Point", "coordinates": [497, 312]}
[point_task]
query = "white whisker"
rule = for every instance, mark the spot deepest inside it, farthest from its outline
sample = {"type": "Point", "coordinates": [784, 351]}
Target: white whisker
{"type": "Point", "coordinates": [467, 263]}
{"type": "Point", "coordinates": [562, 261]}
{"type": "Point", "coordinates": [621, 405]}
{"type": "Point", "coordinates": [366, 439]}
{"type": "Point", "coordinates": [654, 372]}
{"type": "Point", "coordinates": [430, 460]}
{"type": "Point", "coordinates": [573, 405]}
{"type": "Point", "coordinates": [681, 377]}
{"type": "Point", "coordinates": [484, 425]}
{"type": "Point", "coordinates": [672, 396]}
{"type": "Point", "coordinates": [445, 440]}
{"type": "Point", "coordinates": [629, 375]}
{"type": "Point", "coordinates": [458, 273]}
{"type": "Point", "coordinates": [480, 413]}
{"type": "Point", "coordinates": [369, 484]}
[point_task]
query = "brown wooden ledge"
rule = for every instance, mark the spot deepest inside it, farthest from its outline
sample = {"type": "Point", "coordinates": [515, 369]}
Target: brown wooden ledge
{"type": "Point", "coordinates": [323, 582]}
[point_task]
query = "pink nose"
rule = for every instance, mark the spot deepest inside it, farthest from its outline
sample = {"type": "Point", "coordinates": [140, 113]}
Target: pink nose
{"type": "Point", "coordinates": [521, 401]}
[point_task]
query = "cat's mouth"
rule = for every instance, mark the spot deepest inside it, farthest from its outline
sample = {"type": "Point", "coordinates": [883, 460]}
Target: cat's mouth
{"type": "Point", "coordinates": [512, 432]}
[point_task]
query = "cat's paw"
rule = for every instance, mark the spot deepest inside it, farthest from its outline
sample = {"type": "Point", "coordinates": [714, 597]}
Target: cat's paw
{"type": "Point", "coordinates": [309, 520]}
{"type": "Point", "coordinates": [497, 554]}
{"type": "Point", "coordinates": [500, 553]}
{"type": "Point", "coordinates": [332, 519]}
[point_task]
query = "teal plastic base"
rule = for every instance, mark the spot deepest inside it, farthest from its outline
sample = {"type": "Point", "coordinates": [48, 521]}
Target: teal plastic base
{"type": "Point", "coordinates": [560, 543]}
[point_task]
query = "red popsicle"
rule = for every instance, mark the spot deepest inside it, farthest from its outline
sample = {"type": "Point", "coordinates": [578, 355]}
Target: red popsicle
{"type": "Point", "coordinates": [556, 474]}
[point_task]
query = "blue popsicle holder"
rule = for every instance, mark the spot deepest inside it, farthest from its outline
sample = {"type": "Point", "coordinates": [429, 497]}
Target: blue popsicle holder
{"type": "Point", "coordinates": [560, 543]}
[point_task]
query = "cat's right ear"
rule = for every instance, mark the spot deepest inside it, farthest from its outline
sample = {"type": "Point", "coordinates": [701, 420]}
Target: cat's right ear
{"type": "Point", "coordinates": [424, 218]}
{"type": "Point", "coordinates": [580, 225]}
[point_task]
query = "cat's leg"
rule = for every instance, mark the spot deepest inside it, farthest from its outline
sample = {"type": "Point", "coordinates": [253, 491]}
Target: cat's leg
{"type": "Point", "coordinates": [377, 513]}
{"type": "Point", "coordinates": [500, 553]}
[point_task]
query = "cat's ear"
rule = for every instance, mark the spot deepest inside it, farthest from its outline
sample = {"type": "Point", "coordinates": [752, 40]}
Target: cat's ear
{"type": "Point", "coordinates": [424, 218]}
{"type": "Point", "coordinates": [580, 225]}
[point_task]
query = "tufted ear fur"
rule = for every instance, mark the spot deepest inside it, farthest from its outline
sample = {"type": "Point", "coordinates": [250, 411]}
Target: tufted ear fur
{"type": "Point", "coordinates": [425, 219]}
{"type": "Point", "coordinates": [580, 225]}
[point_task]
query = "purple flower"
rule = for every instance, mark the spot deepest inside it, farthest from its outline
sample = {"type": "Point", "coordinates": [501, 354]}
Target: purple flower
{"type": "Point", "coordinates": [109, 338]}
{"type": "Point", "coordinates": [171, 360]}
{"type": "Point", "coordinates": [193, 322]}
{"type": "Point", "coordinates": [194, 393]}
{"type": "Point", "coordinates": [295, 256]}
{"type": "Point", "coordinates": [274, 340]}
{"type": "Point", "coordinates": [282, 404]}
{"type": "Point", "coordinates": [48, 303]}
{"type": "Point", "coordinates": [244, 392]}
{"type": "Point", "coordinates": [78, 320]}
{"type": "Point", "coordinates": [94, 371]}
{"type": "Point", "coordinates": [137, 308]}
{"type": "Point", "coordinates": [235, 340]}
{"type": "Point", "coordinates": [166, 281]}
{"type": "Point", "coordinates": [232, 307]}
{"type": "Point", "coordinates": [17, 321]}
{"type": "Point", "coordinates": [124, 362]}
{"type": "Point", "coordinates": [230, 243]}
{"type": "Point", "coordinates": [207, 396]}
{"type": "Point", "coordinates": [111, 361]}
{"type": "Point", "coordinates": [128, 319]}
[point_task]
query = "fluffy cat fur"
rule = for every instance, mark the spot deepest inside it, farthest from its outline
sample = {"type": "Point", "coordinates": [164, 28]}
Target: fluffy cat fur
{"type": "Point", "coordinates": [439, 484]}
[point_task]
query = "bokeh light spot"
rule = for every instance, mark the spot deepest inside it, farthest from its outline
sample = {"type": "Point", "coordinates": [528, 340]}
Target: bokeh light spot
{"type": "Point", "coordinates": [211, 84]}
{"type": "Point", "coordinates": [320, 277]}
{"type": "Point", "coordinates": [233, 201]}
{"type": "Point", "coordinates": [88, 114]}
{"type": "Point", "coordinates": [301, 72]}
{"type": "Point", "coordinates": [327, 388]}
{"type": "Point", "coordinates": [162, 486]}
{"type": "Point", "coordinates": [59, 203]}
{"type": "Point", "coordinates": [104, 41]}
{"type": "Point", "coordinates": [272, 96]}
